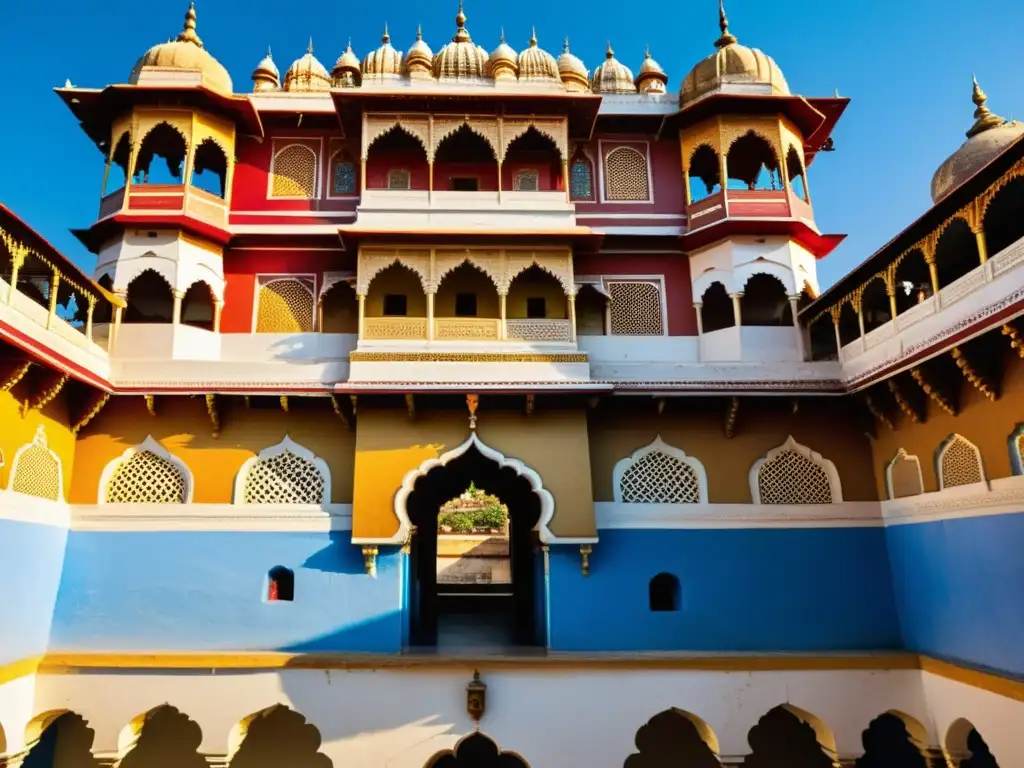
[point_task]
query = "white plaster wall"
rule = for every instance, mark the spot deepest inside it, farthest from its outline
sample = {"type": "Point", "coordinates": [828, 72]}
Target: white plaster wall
{"type": "Point", "coordinates": [405, 209]}
{"type": "Point", "coordinates": [179, 262]}
{"type": "Point", "coordinates": [734, 262]}
{"type": "Point", "coordinates": [17, 708]}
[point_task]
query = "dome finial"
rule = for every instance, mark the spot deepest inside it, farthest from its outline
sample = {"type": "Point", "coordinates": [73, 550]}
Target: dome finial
{"type": "Point", "coordinates": [647, 51]}
{"type": "Point", "coordinates": [309, 48]}
{"type": "Point", "coordinates": [419, 31]}
{"type": "Point", "coordinates": [501, 37]}
{"type": "Point", "coordinates": [461, 33]}
{"type": "Point", "coordinates": [983, 117]}
{"type": "Point", "coordinates": [723, 24]}
{"type": "Point", "coordinates": [385, 37]}
{"type": "Point", "coordinates": [609, 53]}
{"type": "Point", "coordinates": [565, 45]}
{"type": "Point", "coordinates": [533, 37]}
{"type": "Point", "coordinates": [188, 32]}
{"type": "Point", "coordinates": [269, 55]}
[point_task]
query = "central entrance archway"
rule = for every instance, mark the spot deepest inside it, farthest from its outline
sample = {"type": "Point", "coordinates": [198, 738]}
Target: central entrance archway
{"type": "Point", "coordinates": [504, 613]}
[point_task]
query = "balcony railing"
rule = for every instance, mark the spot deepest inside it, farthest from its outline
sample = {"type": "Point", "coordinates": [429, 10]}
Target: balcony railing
{"type": "Point", "coordinates": [538, 330]}
{"type": "Point", "coordinates": [166, 199]}
{"type": "Point", "coordinates": [384, 328]}
{"type": "Point", "coordinates": [467, 328]}
{"type": "Point", "coordinates": [420, 208]}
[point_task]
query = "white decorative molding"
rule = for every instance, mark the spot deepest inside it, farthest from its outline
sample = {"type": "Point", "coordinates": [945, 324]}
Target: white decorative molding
{"type": "Point", "coordinates": [956, 439]}
{"type": "Point", "coordinates": [902, 455]}
{"type": "Point", "coordinates": [847, 514]}
{"type": "Point", "coordinates": [803, 450]}
{"type": "Point", "coordinates": [152, 446]}
{"type": "Point", "coordinates": [285, 446]}
{"type": "Point", "coordinates": [1006, 497]}
{"type": "Point", "coordinates": [154, 518]}
{"type": "Point", "coordinates": [39, 442]}
{"type": "Point", "coordinates": [22, 508]}
{"type": "Point", "coordinates": [659, 446]}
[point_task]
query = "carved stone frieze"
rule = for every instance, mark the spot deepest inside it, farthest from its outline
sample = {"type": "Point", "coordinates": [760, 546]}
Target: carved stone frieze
{"type": "Point", "coordinates": [556, 130]}
{"type": "Point", "coordinates": [378, 125]}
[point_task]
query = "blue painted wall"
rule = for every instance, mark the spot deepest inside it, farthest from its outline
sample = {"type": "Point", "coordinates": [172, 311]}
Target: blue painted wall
{"type": "Point", "coordinates": [196, 591]}
{"type": "Point", "coordinates": [30, 560]}
{"type": "Point", "coordinates": [741, 590]}
{"type": "Point", "coordinates": [960, 589]}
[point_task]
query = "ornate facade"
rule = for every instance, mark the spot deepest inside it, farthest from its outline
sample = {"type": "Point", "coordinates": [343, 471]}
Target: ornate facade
{"type": "Point", "coordinates": [404, 387]}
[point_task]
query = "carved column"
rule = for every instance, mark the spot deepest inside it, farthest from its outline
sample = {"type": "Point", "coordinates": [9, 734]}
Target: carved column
{"type": "Point", "coordinates": [176, 312]}
{"type": "Point", "coordinates": [979, 234]}
{"type": "Point", "coordinates": [52, 312]}
{"type": "Point", "coordinates": [860, 319]}
{"type": "Point", "coordinates": [839, 341]}
{"type": "Point", "coordinates": [697, 306]}
{"type": "Point", "coordinates": [362, 315]}
{"type": "Point", "coordinates": [218, 308]}
{"type": "Point", "coordinates": [503, 309]}
{"type": "Point", "coordinates": [572, 318]}
{"type": "Point", "coordinates": [891, 290]}
{"type": "Point", "coordinates": [736, 310]}
{"type": "Point", "coordinates": [430, 316]}
{"type": "Point", "coordinates": [17, 259]}
{"type": "Point", "coordinates": [114, 329]}
{"type": "Point", "coordinates": [88, 317]}
{"type": "Point", "coordinates": [565, 179]}
{"type": "Point", "coordinates": [793, 300]}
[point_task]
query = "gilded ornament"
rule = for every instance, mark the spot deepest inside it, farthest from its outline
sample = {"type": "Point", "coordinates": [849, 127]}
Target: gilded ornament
{"type": "Point", "coordinates": [651, 78]}
{"type": "Point", "coordinates": [97, 406]}
{"type": "Point", "coordinates": [211, 409]}
{"type": "Point", "coordinates": [370, 560]}
{"type": "Point", "coordinates": [932, 392]}
{"type": "Point", "coordinates": [730, 417]}
{"type": "Point", "coordinates": [47, 395]}
{"type": "Point", "coordinates": [586, 550]}
{"type": "Point", "coordinates": [150, 404]}
{"type": "Point", "coordinates": [878, 413]}
{"type": "Point", "coordinates": [573, 72]}
{"type": "Point", "coordinates": [971, 374]}
{"type": "Point", "coordinates": [307, 74]}
{"type": "Point", "coordinates": [336, 405]}
{"type": "Point", "coordinates": [902, 402]}
{"type": "Point", "coordinates": [472, 403]}
{"type": "Point", "coordinates": [460, 59]}
{"type": "Point", "coordinates": [537, 65]}
{"type": "Point", "coordinates": [1016, 341]}
{"type": "Point", "coordinates": [16, 375]}
{"type": "Point", "coordinates": [612, 76]}
{"type": "Point", "coordinates": [476, 698]}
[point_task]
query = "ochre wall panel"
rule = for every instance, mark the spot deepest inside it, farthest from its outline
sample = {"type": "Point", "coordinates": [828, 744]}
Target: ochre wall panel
{"type": "Point", "coordinates": [388, 445]}
{"type": "Point", "coordinates": [986, 424]}
{"type": "Point", "coordinates": [183, 427]}
{"type": "Point", "coordinates": [17, 429]}
{"type": "Point", "coordinates": [697, 427]}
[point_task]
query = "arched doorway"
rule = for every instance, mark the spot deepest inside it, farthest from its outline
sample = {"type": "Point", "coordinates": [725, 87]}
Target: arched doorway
{"type": "Point", "coordinates": [487, 612]}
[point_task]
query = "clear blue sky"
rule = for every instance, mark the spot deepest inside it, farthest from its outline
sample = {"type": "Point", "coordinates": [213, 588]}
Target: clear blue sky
{"type": "Point", "coordinates": [906, 64]}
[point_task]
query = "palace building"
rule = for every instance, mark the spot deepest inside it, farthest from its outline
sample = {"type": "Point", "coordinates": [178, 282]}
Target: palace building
{"type": "Point", "coordinates": [468, 407]}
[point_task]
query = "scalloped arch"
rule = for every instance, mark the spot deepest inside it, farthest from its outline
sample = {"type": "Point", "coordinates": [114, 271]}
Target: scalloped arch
{"type": "Point", "coordinates": [373, 266]}
{"type": "Point", "coordinates": [654, 447]}
{"type": "Point", "coordinates": [694, 148]}
{"type": "Point", "coordinates": [448, 129]}
{"type": "Point", "coordinates": [791, 445]}
{"type": "Point", "coordinates": [151, 446]}
{"type": "Point", "coordinates": [287, 445]}
{"type": "Point", "coordinates": [517, 265]}
{"type": "Point", "coordinates": [744, 272]}
{"type": "Point", "coordinates": [513, 129]}
{"type": "Point", "coordinates": [411, 128]}
{"type": "Point", "coordinates": [445, 264]}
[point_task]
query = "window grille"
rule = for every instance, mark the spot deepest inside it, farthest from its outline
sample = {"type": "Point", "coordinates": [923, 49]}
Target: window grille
{"type": "Point", "coordinates": [625, 175]}
{"type": "Point", "coordinates": [527, 181]}
{"type": "Point", "coordinates": [344, 178]}
{"type": "Point", "coordinates": [398, 179]}
{"type": "Point", "coordinates": [959, 463]}
{"type": "Point", "coordinates": [294, 172]}
{"type": "Point", "coordinates": [285, 306]}
{"type": "Point", "coordinates": [36, 471]}
{"type": "Point", "coordinates": [145, 478]}
{"type": "Point", "coordinates": [284, 479]}
{"type": "Point", "coordinates": [635, 309]}
{"type": "Point", "coordinates": [657, 478]}
{"type": "Point", "coordinates": [791, 477]}
{"type": "Point", "coordinates": [581, 181]}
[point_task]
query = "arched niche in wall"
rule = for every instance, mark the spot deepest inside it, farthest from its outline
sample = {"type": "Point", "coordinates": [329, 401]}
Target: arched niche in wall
{"type": "Point", "coordinates": [476, 751]}
{"type": "Point", "coordinates": [675, 737]}
{"type": "Point", "coordinates": [903, 476]}
{"type": "Point", "coordinates": [286, 473]}
{"type": "Point", "coordinates": [36, 470]}
{"type": "Point", "coordinates": [274, 737]}
{"type": "Point", "coordinates": [894, 739]}
{"type": "Point", "coordinates": [659, 473]}
{"type": "Point", "coordinates": [163, 737]}
{"type": "Point", "coordinates": [146, 474]}
{"type": "Point", "coordinates": [958, 462]}
{"type": "Point", "coordinates": [58, 739]}
{"type": "Point", "coordinates": [794, 474]}
{"type": "Point", "coordinates": [790, 736]}
{"type": "Point", "coordinates": [966, 748]}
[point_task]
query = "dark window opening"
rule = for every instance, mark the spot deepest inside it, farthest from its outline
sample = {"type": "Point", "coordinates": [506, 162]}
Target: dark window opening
{"type": "Point", "coordinates": [465, 305]}
{"type": "Point", "coordinates": [280, 585]}
{"type": "Point", "coordinates": [536, 308]}
{"type": "Point", "coordinates": [664, 592]}
{"type": "Point", "coordinates": [464, 183]}
{"type": "Point", "coordinates": [396, 305]}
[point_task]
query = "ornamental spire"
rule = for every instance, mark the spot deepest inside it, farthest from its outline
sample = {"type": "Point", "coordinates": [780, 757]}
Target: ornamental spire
{"type": "Point", "coordinates": [983, 116]}
{"type": "Point", "coordinates": [385, 37]}
{"type": "Point", "coordinates": [565, 45]}
{"type": "Point", "coordinates": [461, 33]}
{"type": "Point", "coordinates": [188, 32]}
{"type": "Point", "coordinates": [309, 48]}
{"type": "Point", "coordinates": [609, 53]}
{"type": "Point", "coordinates": [723, 24]}
{"type": "Point", "coordinates": [533, 37]}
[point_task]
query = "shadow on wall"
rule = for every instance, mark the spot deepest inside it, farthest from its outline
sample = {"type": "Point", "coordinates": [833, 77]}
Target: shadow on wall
{"type": "Point", "coordinates": [340, 556]}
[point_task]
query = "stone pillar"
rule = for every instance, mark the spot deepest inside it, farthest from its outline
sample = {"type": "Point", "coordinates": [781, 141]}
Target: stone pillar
{"type": "Point", "coordinates": [736, 310]}
{"type": "Point", "coordinates": [88, 318]}
{"type": "Point", "coordinates": [793, 301]}
{"type": "Point", "coordinates": [218, 308]}
{"type": "Point", "coordinates": [362, 315]}
{"type": "Point", "coordinates": [565, 180]}
{"type": "Point", "coordinates": [52, 312]}
{"type": "Point", "coordinates": [503, 310]}
{"type": "Point", "coordinates": [430, 317]}
{"type": "Point", "coordinates": [860, 320]}
{"type": "Point", "coordinates": [572, 319]}
{"type": "Point", "coordinates": [933, 272]}
{"type": "Point", "coordinates": [839, 341]}
{"type": "Point", "coordinates": [176, 312]}
{"type": "Point", "coordinates": [114, 329]}
{"type": "Point", "coordinates": [697, 306]}
{"type": "Point", "coordinates": [982, 245]}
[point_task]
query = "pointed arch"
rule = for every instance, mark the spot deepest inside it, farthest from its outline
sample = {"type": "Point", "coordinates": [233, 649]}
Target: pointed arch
{"type": "Point", "coordinates": [293, 172]}
{"type": "Point", "coordinates": [146, 473]}
{"type": "Point", "coordinates": [273, 737]}
{"type": "Point", "coordinates": [197, 305]}
{"type": "Point", "coordinates": [581, 176]}
{"type": "Point", "coordinates": [659, 473]}
{"type": "Point", "coordinates": [765, 301]}
{"type": "Point", "coordinates": [748, 159]}
{"type": "Point", "coordinates": [210, 168]}
{"type": "Point", "coordinates": [58, 737]}
{"type": "Point", "coordinates": [163, 737]}
{"type": "Point", "coordinates": [796, 172]}
{"type": "Point", "coordinates": [120, 157]}
{"type": "Point", "coordinates": [150, 296]}
{"type": "Point", "coordinates": [547, 501]}
{"type": "Point", "coordinates": [894, 738]}
{"type": "Point", "coordinates": [449, 129]}
{"type": "Point", "coordinates": [794, 474]}
{"type": "Point", "coordinates": [716, 308]}
{"type": "Point", "coordinates": [966, 748]}
{"type": "Point", "coordinates": [627, 175]}
{"type": "Point", "coordinates": [373, 265]}
{"type": "Point", "coordinates": [705, 167]}
{"type": "Point", "coordinates": [286, 473]}
{"type": "Point", "coordinates": [414, 129]}
{"type": "Point", "coordinates": [903, 476]}
{"type": "Point", "coordinates": [675, 737]}
{"type": "Point", "coordinates": [36, 470]}
{"type": "Point", "coordinates": [788, 735]}
{"type": "Point", "coordinates": [168, 143]}
{"type": "Point", "coordinates": [476, 751]}
{"type": "Point", "coordinates": [958, 462]}
{"type": "Point", "coordinates": [285, 304]}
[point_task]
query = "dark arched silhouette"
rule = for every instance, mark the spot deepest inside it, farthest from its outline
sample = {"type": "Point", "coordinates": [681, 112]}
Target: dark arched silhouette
{"type": "Point", "coordinates": [663, 593]}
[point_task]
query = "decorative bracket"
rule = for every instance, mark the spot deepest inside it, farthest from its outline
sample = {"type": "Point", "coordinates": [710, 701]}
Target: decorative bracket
{"type": "Point", "coordinates": [937, 397]}
{"type": "Point", "coordinates": [284, 403]}
{"type": "Point", "coordinates": [878, 413]}
{"type": "Point", "coordinates": [90, 414]}
{"type": "Point", "coordinates": [472, 403]}
{"type": "Point", "coordinates": [150, 404]}
{"type": "Point", "coordinates": [530, 402]}
{"type": "Point", "coordinates": [730, 417]}
{"type": "Point", "coordinates": [211, 408]}
{"type": "Point", "coordinates": [17, 374]}
{"type": "Point", "coordinates": [971, 374]}
{"type": "Point", "coordinates": [410, 406]}
{"type": "Point", "coordinates": [370, 560]}
{"type": "Point", "coordinates": [476, 697]}
{"type": "Point", "coordinates": [661, 404]}
{"type": "Point", "coordinates": [1016, 340]}
{"type": "Point", "coordinates": [336, 405]}
{"type": "Point", "coordinates": [48, 394]}
{"type": "Point", "coordinates": [586, 550]}
{"type": "Point", "coordinates": [903, 403]}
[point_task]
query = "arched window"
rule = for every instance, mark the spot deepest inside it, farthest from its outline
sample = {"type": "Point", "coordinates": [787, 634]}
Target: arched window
{"type": "Point", "coordinates": [959, 463]}
{"type": "Point", "coordinates": [161, 158]}
{"type": "Point", "coordinates": [293, 172]}
{"type": "Point", "coordinates": [874, 305]}
{"type": "Point", "coordinates": [636, 308]}
{"type": "Point", "coordinates": [752, 164]}
{"type": "Point", "coordinates": [765, 303]}
{"type": "Point", "coordinates": [626, 176]}
{"type": "Point", "coordinates": [150, 299]}
{"type": "Point", "coordinates": [716, 310]}
{"type": "Point", "coordinates": [399, 148]}
{"type": "Point", "coordinates": [794, 474]}
{"type": "Point", "coordinates": [36, 470]}
{"type": "Point", "coordinates": [581, 177]}
{"type": "Point", "coordinates": [903, 476]}
{"type": "Point", "coordinates": [210, 168]}
{"type": "Point", "coordinates": [795, 169]}
{"type": "Point", "coordinates": [343, 175]}
{"type": "Point", "coordinates": [660, 473]}
{"type": "Point", "coordinates": [285, 305]}
{"type": "Point", "coordinates": [197, 306]}
{"type": "Point", "coordinates": [849, 325]}
{"type": "Point", "coordinates": [339, 307]}
{"type": "Point", "coordinates": [663, 593]}
{"type": "Point", "coordinates": [913, 282]}
{"type": "Point", "coordinates": [117, 173]}
{"type": "Point", "coordinates": [285, 473]}
{"type": "Point", "coordinates": [956, 252]}
{"type": "Point", "coordinates": [704, 168]}
{"type": "Point", "coordinates": [280, 585]}
{"type": "Point", "coordinates": [1016, 444]}
{"type": "Point", "coordinates": [146, 474]}
{"type": "Point", "coordinates": [1002, 223]}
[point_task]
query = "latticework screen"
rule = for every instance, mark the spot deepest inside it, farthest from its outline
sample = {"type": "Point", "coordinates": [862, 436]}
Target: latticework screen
{"type": "Point", "coordinates": [635, 309]}
{"type": "Point", "coordinates": [146, 478]}
{"type": "Point", "coordinates": [398, 179]}
{"type": "Point", "coordinates": [625, 175]}
{"type": "Point", "coordinates": [658, 478]}
{"type": "Point", "coordinates": [905, 476]}
{"type": "Point", "coordinates": [527, 181]}
{"type": "Point", "coordinates": [961, 464]}
{"type": "Point", "coordinates": [792, 478]}
{"type": "Point", "coordinates": [37, 474]}
{"type": "Point", "coordinates": [581, 181]}
{"type": "Point", "coordinates": [294, 172]}
{"type": "Point", "coordinates": [344, 181]}
{"type": "Point", "coordinates": [285, 306]}
{"type": "Point", "coordinates": [284, 479]}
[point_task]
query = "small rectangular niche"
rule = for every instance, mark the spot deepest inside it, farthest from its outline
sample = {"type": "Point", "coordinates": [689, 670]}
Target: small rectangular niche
{"type": "Point", "coordinates": [465, 305]}
{"type": "Point", "coordinates": [536, 308]}
{"type": "Point", "coordinates": [396, 305]}
{"type": "Point", "coordinates": [464, 183]}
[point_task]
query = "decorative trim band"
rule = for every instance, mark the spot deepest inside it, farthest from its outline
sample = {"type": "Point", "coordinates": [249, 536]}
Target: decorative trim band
{"type": "Point", "coordinates": [295, 518]}
{"type": "Point", "coordinates": [22, 508]}
{"type": "Point", "coordinates": [1006, 497]}
{"type": "Point", "coordinates": [463, 357]}
{"type": "Point", "coordinates": [848, 514]}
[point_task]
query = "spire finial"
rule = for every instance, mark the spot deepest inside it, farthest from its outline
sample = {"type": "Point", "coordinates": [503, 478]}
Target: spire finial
{"type": "Point", "coordinates": [647, 51]}
{"type": "Point", "coordinates": [461, 33]}
{"type": "Point", "coordinates": [385, 37]}
{"type": "Point", "coordinates": [533, 37]}
{"type": "Point", "coordinates": [188, 31]}
{"type": "Point", "coordinates": [723, 24]}
{"type": "Point", "coordinates": [609, 53]}
{"type": "Point", "coordinates": [983, 116]}
{"type": "Point", "coordinates": [501, 37]}
{"type": "Point", "coordinates": [565, 45]}
{"type": "Point", "coordinates": [419, 31]}
{"type": "Point", "coordinates": [309, 48]}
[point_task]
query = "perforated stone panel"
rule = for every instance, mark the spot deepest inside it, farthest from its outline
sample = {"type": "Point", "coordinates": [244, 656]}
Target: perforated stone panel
{"type": "Point", "coordinates": [960, 464]}
{"type": "Point", "coordinates": [792, 478]}
{"type": "Point", "coordinates": [294, 172]}
{"type": "Point", "coordinates": [344, 178]}
{"type": "Point", "coordinates": [284, 479]}
{"type": "Point", "coordinates": [581, 181]}
{"type": "Point", "coordinates": [285, 306]}
{"type": "Point", "coordinates": [146, 478]}
{"type": "Point", "coordinates": [625, 175]}
{"type": "Point", "coordinates": [38, 474]}
{"type": "Point", "coordinates": [658, 478]}
{"type": "Point", "coordinates": [636, 309]}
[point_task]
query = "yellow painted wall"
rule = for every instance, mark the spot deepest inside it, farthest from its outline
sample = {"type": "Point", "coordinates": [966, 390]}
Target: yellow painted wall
{"type": "Point", "coordinates": [531, 285]}
{"type": "Point", "coordinates": [183, 427]}
{"type": "Point", "coordinates": [17, 430]}
{"type": "Point", "coordinates": [396, 279]}
{"type": "Point", "coordinates": [466, 279]}
{"type": "Point", "coordinates": [388, 445]}
{"type": "Point", "coordinates": [986, 424]}
{"type": "Point", "coordinates": [697, 427]}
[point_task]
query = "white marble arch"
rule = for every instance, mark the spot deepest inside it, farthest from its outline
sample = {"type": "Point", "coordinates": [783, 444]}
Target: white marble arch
{"type": "Point", "coordinates": [742, 274]}
{"type": "Point", "coordinates": [547, 501]}
{"type": "Point", "coordinates": [287, 445]}
{"type": "Point", "coordinates": [659, 446]}
{"type": "Point", "coordinates": [792, 445]}
{"type": "Point", "coordinates": [954, 439]}
{"type": "Point", "coordinates": [152, 446]}
{"type": "Point", "coordinates": [902, 455]}
{"type": "Point", "coordinates": [38, 441]}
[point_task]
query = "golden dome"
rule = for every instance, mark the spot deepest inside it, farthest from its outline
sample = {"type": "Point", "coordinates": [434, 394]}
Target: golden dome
{"type": "Point", "coordinates": [574, 74]}
{"type": "Point", "coordinates": [503, 63]}
{"type": "Point", "coordinates": [307, 74]}
{"type": "Point", "coordinates": [184, 53]}
{"type": "Point", "coordinates": [986, 139]}
{"type": "Point", "coordinates": [612, 76]}
{"type": "Point", "coordinates": [346, 73]}
{"type": "Point", "coordinates": [651, 78]}
{"type": "Point", "coordinates": [266, 76]}
{"type": "Point", "coordinates": [419, 59]}
{"type": "Point", "coordinates": [460, 59]}
{"type": "Point", "coordinates": [536, 64]}
{"type": "Point", "coordinates": [386, 61]}
{"type": "Point", "coordinates": [733, 68]}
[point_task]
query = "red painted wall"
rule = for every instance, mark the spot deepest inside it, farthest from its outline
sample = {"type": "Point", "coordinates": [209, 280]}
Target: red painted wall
{"type": "Point", "coordinates": [682, 318]}
{"type": "Point", "coordinates": [380, 163]}
{"type": "Point", "coordinates": [666, 177]}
